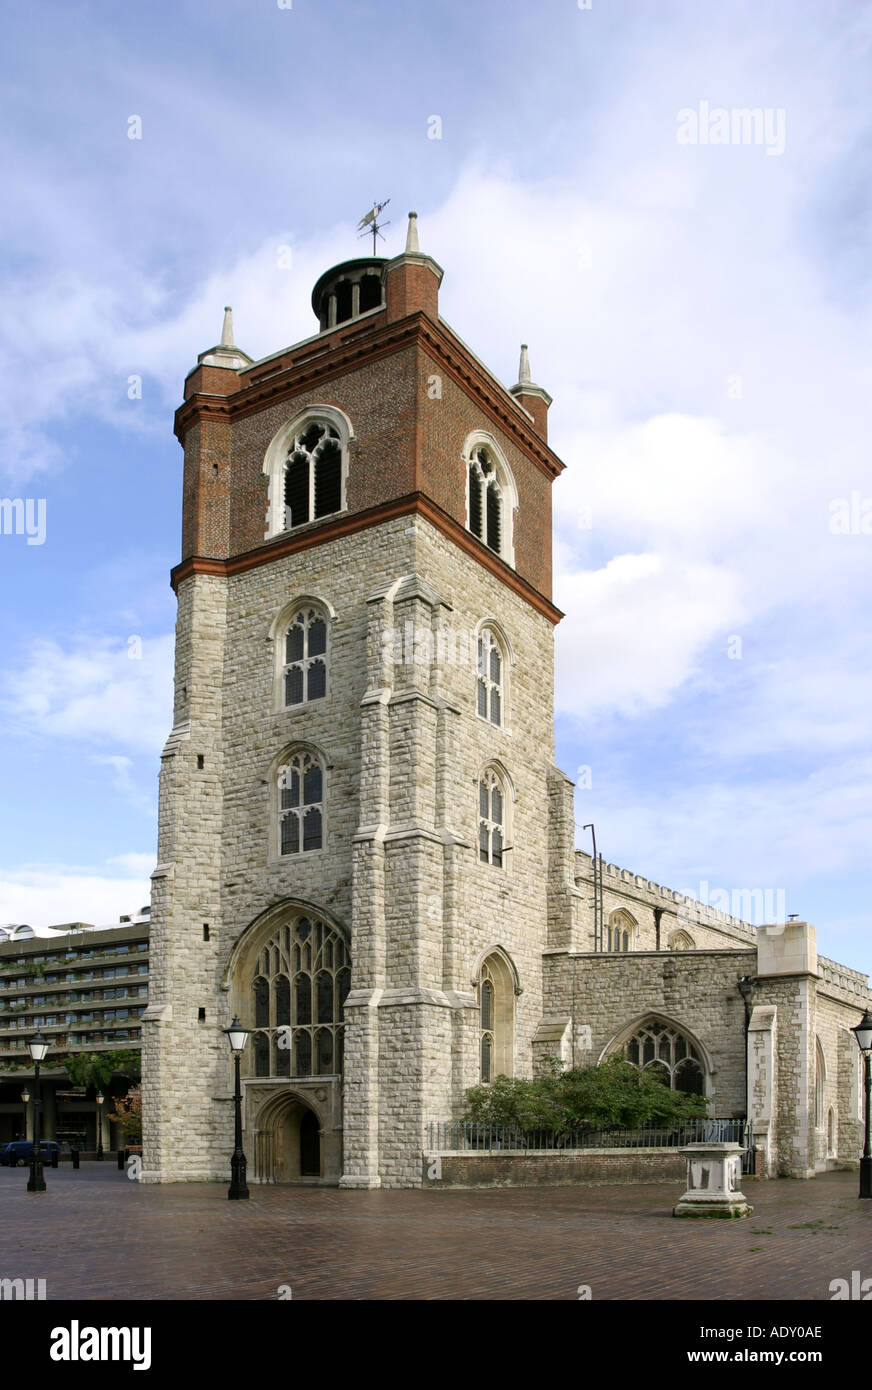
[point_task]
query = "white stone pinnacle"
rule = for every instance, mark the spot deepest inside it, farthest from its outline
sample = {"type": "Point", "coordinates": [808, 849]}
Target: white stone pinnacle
{"type": "Point", "coordinates": [227, 329]}
{"type": "Point", "coordinates": [412, 246]}
{"type": "Point", "coordinates": [524, 377]}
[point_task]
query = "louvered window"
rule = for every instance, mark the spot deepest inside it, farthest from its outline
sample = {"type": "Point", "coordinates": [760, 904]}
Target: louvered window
{"type": "Point", "coordinates": [313, 475]}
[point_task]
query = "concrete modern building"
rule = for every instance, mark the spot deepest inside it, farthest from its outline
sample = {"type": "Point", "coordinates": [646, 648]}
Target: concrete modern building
{"type": "Point", "coordinates": [84, 988]}
{"type": "Point", "coordinates": [365, 848]}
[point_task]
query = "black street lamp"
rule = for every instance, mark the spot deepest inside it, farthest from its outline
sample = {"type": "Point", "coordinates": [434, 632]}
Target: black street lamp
{"type": "Point", "coordinates": [37, 1047]}
{"type": "Point", "coordinates": [863, 1034]}
{"type": "Point", "coordinates": [25, 1096]}
{"type": "Point", "coordinates": [100, 1100]}
{"type": "Point", "coordinates": [237, 1036]}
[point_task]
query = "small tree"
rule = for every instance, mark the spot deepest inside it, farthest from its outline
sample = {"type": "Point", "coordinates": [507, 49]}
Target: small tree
{"type": "Point", "coordinates": [96, 1069]}
{"type": "Point", "coordinates": [127, 1113]}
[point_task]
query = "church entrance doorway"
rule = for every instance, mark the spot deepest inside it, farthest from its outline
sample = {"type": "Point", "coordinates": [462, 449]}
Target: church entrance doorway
{"type": "Point", "coordinates": [289, 1144]}
{"type": "Point", "coordinates": [310, 1146]}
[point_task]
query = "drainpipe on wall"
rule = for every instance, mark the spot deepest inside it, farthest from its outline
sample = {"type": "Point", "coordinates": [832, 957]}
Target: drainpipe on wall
{"type": "Point", "coordinates": [746, 989]}
{"type": "Point", "coordinates": [658, 913]}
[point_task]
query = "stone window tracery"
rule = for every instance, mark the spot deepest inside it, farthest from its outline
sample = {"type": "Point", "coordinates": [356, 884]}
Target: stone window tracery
{"type": "Point", "coordinates": [313, 474]}
{"type": "Point", "coordinates": [490, 677]}
{"type": "Point", "coordinates": [621, 932]}
{"type": "Point", "coordinates": [491, 495]}
{"type": "Point", "coordinates": [301, 981]}
{"type": "Point", "coordinates": [665, 1049]}
{"type": "Point", "coordinates": [301, 803]}
{"type": "Point", "coordinates": [304, 670]}
{"type": "Point", "coordinates": [491, 819]}
{"type": "Point", "coordinates": [496, 1003]}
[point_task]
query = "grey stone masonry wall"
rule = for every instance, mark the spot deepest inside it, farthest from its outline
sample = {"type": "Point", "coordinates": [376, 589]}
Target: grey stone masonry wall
{"type": "Point", "coordinates": [185, 1059]}
{"type": "Point", "coordinates": [606, 995]}
{"type": "Point", "coordinates": [708, 927]}
{"type": "Point", "coordinates": [399, 872]}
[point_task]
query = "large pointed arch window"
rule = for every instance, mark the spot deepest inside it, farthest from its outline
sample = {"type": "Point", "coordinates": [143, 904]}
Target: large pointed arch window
{"type": "Point", "coordinates": [667, 1051]}
{"type": "Point", "coordinates": [301, 980]}
{"type": "Point", "coordinates": [301, 803]}
{"type": "Point", "coordinates": [496, 1004]}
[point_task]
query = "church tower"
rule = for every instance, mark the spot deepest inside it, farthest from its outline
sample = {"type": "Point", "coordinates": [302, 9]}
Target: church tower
{"type": "Point", "coordinates": [354, 802]}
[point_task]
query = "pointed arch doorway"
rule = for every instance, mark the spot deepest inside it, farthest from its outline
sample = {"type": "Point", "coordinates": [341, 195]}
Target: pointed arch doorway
{"type": "Point", "coordinates": [289, 1141]}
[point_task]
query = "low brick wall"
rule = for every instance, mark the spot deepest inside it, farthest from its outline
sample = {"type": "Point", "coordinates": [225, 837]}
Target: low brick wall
{"type": "Point", "coordinates": [545, 1168]}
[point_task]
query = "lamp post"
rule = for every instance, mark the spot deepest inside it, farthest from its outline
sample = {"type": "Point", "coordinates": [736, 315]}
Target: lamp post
{"type": "Point", "coordinates": [100, 1100]}
{"type": "Point", "coordinates": [37, 1047]}
{"type": "Point", "coordinates": [237, 1036]}
{"type": "Point", "coordinates": [25, 1096]}
{"type": "Point", "coordinates": [863, 1034]}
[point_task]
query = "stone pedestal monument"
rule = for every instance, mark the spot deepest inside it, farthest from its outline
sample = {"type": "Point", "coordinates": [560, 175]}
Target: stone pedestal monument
{"type": "Point", "coordinates": [714, 1175]}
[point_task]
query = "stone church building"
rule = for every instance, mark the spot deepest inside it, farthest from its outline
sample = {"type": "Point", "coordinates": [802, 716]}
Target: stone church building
{"type": "Point", "coordinates": [365, 848]}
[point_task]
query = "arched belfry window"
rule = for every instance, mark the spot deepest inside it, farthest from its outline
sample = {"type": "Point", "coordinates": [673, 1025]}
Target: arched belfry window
{"type": "Point", "coordinates": [666, 1050]}
{"type": "Point", "coordinates": [496, 1005]}
{"type": "Point", "coordinates": [491, 498]}
{"type": "Point", "coordinates": [301, 980]}
{"type": "Point", "coordinates": [307, 466]}
{"type": "Point", "coordinates": [313, 474]}
{"type": "Point", "coordinates": [300, 788]}
{"type": "Point", "coordinates": [304, 668]}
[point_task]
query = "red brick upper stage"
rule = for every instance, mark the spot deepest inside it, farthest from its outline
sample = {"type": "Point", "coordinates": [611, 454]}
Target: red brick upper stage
{"type": "Point", "coordinates": [413, 393]}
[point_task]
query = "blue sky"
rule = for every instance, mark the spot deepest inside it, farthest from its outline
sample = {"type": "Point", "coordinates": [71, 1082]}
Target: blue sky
{"type": "Point", "coordinates": [700, 313]}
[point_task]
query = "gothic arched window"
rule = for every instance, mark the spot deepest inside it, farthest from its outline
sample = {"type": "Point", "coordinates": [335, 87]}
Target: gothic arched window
{"type": "Point", "coordinates": [301, 980]}
{"type": "Point", "coordinates": [492, 818]}
{"type": "Point", "coordinates": [496, 1004]}
{"type": "Point", "coordinates": [668, 1052]}
{"type": "Point", "coordinates": [621, 931]}
{"type": "Point", "coordinates": [307, 467]}
{"type": "Point", "coordinates": [820, 1084]}
{"type": "Point", "coordinates": [313, 474]}
{"type": "Point", "coordinates": [681, 941]}
{"type": "Point", "coordinates": [301, 803]}
{"type": "Point", "coordinates": [304, 668]}
{"type": "Point", "coordinates": [491, 495]}
{"type": "Point", "coordinates": [490, 679]}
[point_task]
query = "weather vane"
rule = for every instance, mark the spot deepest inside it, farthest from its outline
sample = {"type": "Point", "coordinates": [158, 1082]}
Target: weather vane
{"type": "Point", "coordinates": [370, 223]}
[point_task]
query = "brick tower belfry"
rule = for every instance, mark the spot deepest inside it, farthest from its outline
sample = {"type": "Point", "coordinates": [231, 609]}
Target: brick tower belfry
{"type": "Point", "coordinates": [358, 788]}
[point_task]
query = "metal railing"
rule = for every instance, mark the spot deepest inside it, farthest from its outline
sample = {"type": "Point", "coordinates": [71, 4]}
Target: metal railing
{"type": "Point", "coordinates": [477, 1136]}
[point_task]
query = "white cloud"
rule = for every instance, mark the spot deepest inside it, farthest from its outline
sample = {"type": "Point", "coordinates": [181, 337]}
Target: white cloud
{"type": "Point", "coordinates": [91, 691]}
{"type": "Point", "coordinates": [47, 895]}
{"type": "Point", "coordinates": [635, 629]}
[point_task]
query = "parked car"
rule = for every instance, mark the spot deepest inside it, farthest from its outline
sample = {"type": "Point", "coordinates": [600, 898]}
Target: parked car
{"type": "Point", "coordinates": [20, 1151]}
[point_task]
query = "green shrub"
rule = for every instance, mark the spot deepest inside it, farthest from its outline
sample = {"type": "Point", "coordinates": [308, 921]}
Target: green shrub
{"type": "Point", "coordinates": [615, 1094]}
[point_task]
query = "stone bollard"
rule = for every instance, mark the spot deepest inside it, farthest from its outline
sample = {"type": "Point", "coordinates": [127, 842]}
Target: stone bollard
{"type": "Point", "coordinates": [714, 1177]}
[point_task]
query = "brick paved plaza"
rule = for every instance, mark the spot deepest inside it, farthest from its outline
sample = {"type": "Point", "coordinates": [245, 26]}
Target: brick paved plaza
{"type": "Point", "coordinates": [97, 1235]}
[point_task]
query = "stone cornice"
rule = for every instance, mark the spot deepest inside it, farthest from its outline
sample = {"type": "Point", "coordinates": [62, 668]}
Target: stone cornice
{"type": "Point", "coordinates": [414, 503]}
